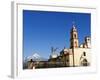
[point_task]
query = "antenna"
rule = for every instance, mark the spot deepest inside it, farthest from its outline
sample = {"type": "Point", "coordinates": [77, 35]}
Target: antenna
{"type": "Point", "coordinates": [53, 49]}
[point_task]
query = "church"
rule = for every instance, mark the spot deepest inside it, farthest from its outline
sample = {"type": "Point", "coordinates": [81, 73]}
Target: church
{"type": "Point", "coordinates": [77, 54]}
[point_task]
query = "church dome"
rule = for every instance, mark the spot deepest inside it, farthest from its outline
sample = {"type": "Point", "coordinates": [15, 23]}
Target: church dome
{"type": "Point", "coordinates": [81, 46]}
{"type": "Point", "coordinates": [54, 55]}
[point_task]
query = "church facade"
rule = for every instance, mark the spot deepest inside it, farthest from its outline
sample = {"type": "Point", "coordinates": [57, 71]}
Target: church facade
{"type": "Point", "coordinates": [77, 54]}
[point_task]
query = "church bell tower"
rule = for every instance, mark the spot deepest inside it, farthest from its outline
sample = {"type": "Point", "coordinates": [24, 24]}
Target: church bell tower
{"type": "Point", "coordinates": [74, 37]}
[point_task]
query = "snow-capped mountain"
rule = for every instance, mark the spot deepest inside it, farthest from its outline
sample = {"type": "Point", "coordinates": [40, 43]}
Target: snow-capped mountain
{"type": "Point", "coordinates": [36, 57]}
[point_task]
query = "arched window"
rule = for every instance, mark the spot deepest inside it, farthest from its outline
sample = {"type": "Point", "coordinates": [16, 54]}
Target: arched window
{"type": "Point", "coordinates": [84, 53]}
{"type": "Point", "coordinates": [84, 62]}
{"type": "Point", "coordinates": [74, 35]}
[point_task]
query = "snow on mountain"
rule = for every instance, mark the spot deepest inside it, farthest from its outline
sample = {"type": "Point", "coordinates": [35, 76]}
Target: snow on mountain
{"type": "Point", "coordinates": [36, 57]}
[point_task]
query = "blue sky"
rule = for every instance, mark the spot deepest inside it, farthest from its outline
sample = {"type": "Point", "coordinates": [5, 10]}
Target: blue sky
{"type": "Point", "coordinates": [44, 29]}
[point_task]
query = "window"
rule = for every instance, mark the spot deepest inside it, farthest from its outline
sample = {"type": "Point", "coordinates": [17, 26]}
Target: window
{"type": "Point", "coordinates": [74, 35]}
{"type": "Point", "coordinates": [84, 62]}
{"type": "Point", "coordinates": [88, 39]}
{"type": "Point", "coordinates": [84, 53]}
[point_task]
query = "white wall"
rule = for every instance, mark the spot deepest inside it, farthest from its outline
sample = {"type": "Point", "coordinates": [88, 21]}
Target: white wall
{"type": "Point", "coordinates": [5, 40]}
